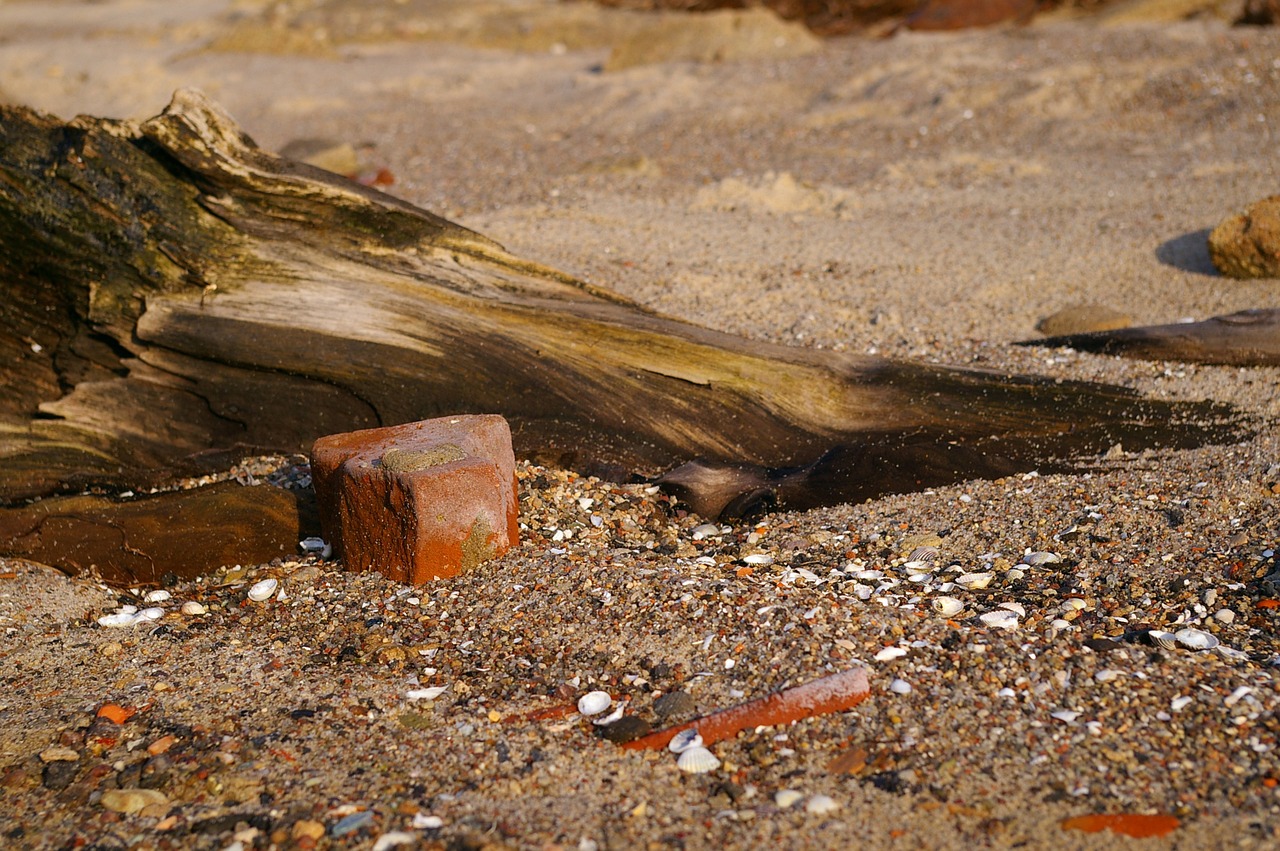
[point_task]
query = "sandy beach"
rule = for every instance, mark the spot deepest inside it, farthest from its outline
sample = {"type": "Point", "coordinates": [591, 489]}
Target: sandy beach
{"type": "Point", "coordinates": [931, 197]}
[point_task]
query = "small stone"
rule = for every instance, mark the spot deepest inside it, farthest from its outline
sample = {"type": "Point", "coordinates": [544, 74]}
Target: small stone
{"type": "Point", "coordinates": [131, 801]}
{"type": "Point", "coordinates": [59, 753]}
{"type": "Point", "coordinates": [1247, 245]}
{"type": "Point", "coordinates": [787, 798]}
{"type": "Point", "coordinates": [1083, 319]}
{"type": "Point", "coordinates": [352, 823]}
{"type": "Point", "coordinates": [59, 775]}
{"type": "Point", "coordinates": [418, 501]}
{"type": "Point", "coordinates": [304, 828]}
{"type": "Point", "coordinates": [674, 704]}
{"type": "Point", "coordinates": [821, 804]}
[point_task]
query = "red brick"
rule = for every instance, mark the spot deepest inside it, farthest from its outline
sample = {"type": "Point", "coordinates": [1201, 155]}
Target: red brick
{"type": "Point", "coordinates": [418, 501]}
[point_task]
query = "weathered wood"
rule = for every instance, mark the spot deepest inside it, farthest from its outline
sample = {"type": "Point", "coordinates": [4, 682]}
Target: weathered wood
{"type": "Point", "coordinates": [176, 296]}
{"type": "Point", "coordinates": [1246, 338]}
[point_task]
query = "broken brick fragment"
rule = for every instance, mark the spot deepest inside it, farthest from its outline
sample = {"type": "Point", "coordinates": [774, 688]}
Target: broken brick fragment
{"type": "Point", "coordinates": [418, 501]}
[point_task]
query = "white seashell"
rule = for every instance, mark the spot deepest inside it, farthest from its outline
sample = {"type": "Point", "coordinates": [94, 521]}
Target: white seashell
{"type": "Point", "coordinates": [1160, 638]}
{"type": "Point", "coordinates": [1107, 675]}
{"type": "Point", "coordinates": [1232, 653]}
{"type": "Point", "coordinates": [1060, 624]}
{"type": "Point", "coordinates": [612, 716]}
{"type": "Point", "coordinates": [786, 798]}
{"type": "Point", "coordinates": [1000, 619]}
{"type": "Point", "coordinates": [758, 559]}
{"type": "Point", "coordinates": [118, 619]}
{"type": "Point", "coordinates": [1013, 574]}
{"type": "Point", "coordinates": [1017, 608]}
{"type": "Point", "coordinates": [128, 610]}
{"type": "Point", "coordinates": [191, 607]}
{"type": "Point", "coordinates": [1074, 604]}
{"type": "Point", "coordinates": [863, 592]}
{"type": "Point", "coordinates": [154, 613]}
{"type": "Point", "coordinates": [974, 580]}
{"type": "Point", "coordinates": [422, 821]}
{"type": "Point", "coordinates": [1006, 692]}
{"type": "Point", "coordinates": [157, 596]}
{"type": "Point", "coordinates": [425, 693]}
{"type": "Point", "coordinates": [1236, 696]}
{"type": "Point", "coordinates": [594, 702]}
{"type": "Point", "coordinates": [869, 574]}
{"type": "Point", "coordinates": [900, 686]}
{"type": "Point", "coordinates": [684, 740]}
{"type": "Point", "coordinates": [1180, 703]}
{"type": "Point", "coordinates": [920, 578]}
{"type": "Point", "coordinates": [926, 554]}
{"type": "Point", "coordinates": [263, 590]}
{"type": "Point", "coordinates": [1067, 716]}
{"type": "Point", "coordinates": [947, 606]}
{"type": "Point", "coordinates": [1040, 558]}
{"type": "Point", "coordinates": [316, 546]}
{"type": "Point", "coordinates": [706, 530]}
{"type": "Point", "coordinates": [1224, 616]}
{"type": "Point", "coordinates": [821, 804]}
{"type": "Point", "coordinates": [890, 653]}
{"type": "Point", "coordinates": [1196, 639]}
{"type": "Point", "coordinates": [697, 760]}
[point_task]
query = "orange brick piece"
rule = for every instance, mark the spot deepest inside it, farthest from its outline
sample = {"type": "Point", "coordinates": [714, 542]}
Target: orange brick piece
{"type": "Point", "coordinates": [419, 501]}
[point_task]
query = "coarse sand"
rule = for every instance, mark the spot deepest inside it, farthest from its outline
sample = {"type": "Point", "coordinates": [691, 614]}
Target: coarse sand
{"type": "Point", "coordinates": [930, 197]}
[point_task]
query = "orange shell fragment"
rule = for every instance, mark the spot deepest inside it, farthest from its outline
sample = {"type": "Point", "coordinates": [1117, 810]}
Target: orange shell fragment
{"type": "Point", "coordinates": [115, 712]}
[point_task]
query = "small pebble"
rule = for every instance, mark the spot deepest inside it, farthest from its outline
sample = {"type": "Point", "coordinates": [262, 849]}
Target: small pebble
{"type": "Point", "coordinates": [131, 801]}
{"type": "Point", "coordinates": [352, 823]}
{"type": "Point", "coordinates": [787, 798]}
{"type": "Point", "coordinates": [625, 729]}
{"type": "Point", "coordinates": [821, 804]}
{"type": "Point", "coordinates": [674, 704]}
{"type": "Point", "coordinates": [899, 686]}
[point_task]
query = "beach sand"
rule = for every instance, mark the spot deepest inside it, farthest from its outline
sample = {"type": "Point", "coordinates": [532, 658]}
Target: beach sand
{"type": "Point", "coordinates": [930, 197]}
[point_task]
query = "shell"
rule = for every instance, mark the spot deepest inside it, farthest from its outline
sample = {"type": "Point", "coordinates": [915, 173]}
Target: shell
{"type": "Point", "coordinates": [430, 693]}
{"type": "Point", "coordinates": [1180, 703]}
{"type": "Point", "coordinates": [1196, 639]}
{"type": "Point", "coordinates": [1017, 608]}
{"type": "Point", "coordinates": [821, 804]}
{"type": "Point", "coordinates": [1000, 619]}
{"type": "Point", "coordinates": [615, 715]}
{"type": "Point", "coordinates": [1041, 558]}
{"type": "Point", "coordinates": [900, 686]}
{"type": "Point", "coordinates": [157, 596]}
{"type": "Point", "coordinates": [697, 760]}
{"type": "Point", "coordinates": [684, 740]}
{"type": "Point", "coordinates": [786, 798]}
{"type": "Point", "coordinates": [191, 607]}
{"type": "Point", "coordinates": [118, 619]}
{"type": "Point", "coordinates": [1160, 638]}
{"type": "Point", "coordinates": [594, 702]}
{"type": "Point", "coordinates": [974, 580]}
{"type": "Point", "coordinates": [947, 606]}
{"type": "Point", "coordinates": [758, 559]}
{"type": "Point", "coordinates": [263, 590]}
{"type": "Point", "coordinates": [890, 653]}
{"type": "Point", "coordinates": [1074, 604]}
{"type": "Point", "coordinates": [152, 614]}
{"type": "Point", "coordinates": [925, 555]}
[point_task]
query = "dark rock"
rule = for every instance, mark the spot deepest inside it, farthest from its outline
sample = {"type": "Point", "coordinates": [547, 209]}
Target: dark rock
{"type": "Point", "coordinates": [1260, 13]}
{"type": "Point", "coordinates": [59, 775]}
{"type": "Point", "coordinates": [625, 729]}
{"type": "Point", "coordinates": [1247, 245]}
{"type": "Point", "coordinates": [418, 501]}
{"type": "Point", "coordinates": [674, 704]}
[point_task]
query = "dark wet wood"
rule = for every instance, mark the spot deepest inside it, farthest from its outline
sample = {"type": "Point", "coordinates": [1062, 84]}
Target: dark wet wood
{"type": "Point", "coordinates": [176, 297]}
{"type": "Point", "coordinates": [1247, 338]}
{"type": "Point", "coordinates": [140, 541]}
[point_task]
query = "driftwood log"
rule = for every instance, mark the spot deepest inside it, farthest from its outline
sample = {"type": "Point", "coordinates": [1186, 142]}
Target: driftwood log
{"type": "Point", "coordinates": [1245, 338]}
{"type": "Point", "coordinates": [175, 296]}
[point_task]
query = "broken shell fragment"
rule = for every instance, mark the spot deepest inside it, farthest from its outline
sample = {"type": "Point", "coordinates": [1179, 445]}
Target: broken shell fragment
{"type": "Point", "coordinates": [594, 702]}
{"type": "Point", "coordinates": [947, 606]}
{"type": "Point", "coordinates": [821, 804]}
{"type": "Point", "coordinates": [1041, 558]}
{"type": "Point", "coordinates": [263, 590]}
{"type": "Point", "coordinates": [157, 596]}
{"type": "Point", "coordinates": [890, 653]}
{"type": "Point", "coordinates": [684, 740]}
{"type": "Point", "coordinates": [1196, 639]}
{"type": "Point", "coordinates": [1160, 638]}
{"type": "Point", "coordinates": [786, 798]}
{"type": "Point", "coordinates": [758, 559]}
{"type": "Point", "coordinates": [697, 760]}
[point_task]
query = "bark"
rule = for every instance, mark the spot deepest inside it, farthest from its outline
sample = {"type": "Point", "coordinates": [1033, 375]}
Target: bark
{"type": "Point", "coordinates": [175, 297]}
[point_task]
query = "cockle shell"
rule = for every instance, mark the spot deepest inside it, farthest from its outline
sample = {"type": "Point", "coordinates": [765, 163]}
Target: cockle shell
{"type": "Point", "coordinates": [974, 580]}
{"type": "Point", "coordinates": [1041, 558]}
{"type": "Point", "coordinates": [263, 590]}
{"type": "Point", "coordinates": [1000, 619]}
{"type": "Point", "coordinates": [1196, 639]}
{"type": "Point", "coordinates": [1160, 638]}
{"type": "Point", "coordinates": [684, 740]}
{"type": "Point", "coordinates": [697, 760]}
{"type": "Point", "coordinates": [594, 702]}
{"type": "Point", "coordinates": [947, 606]}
